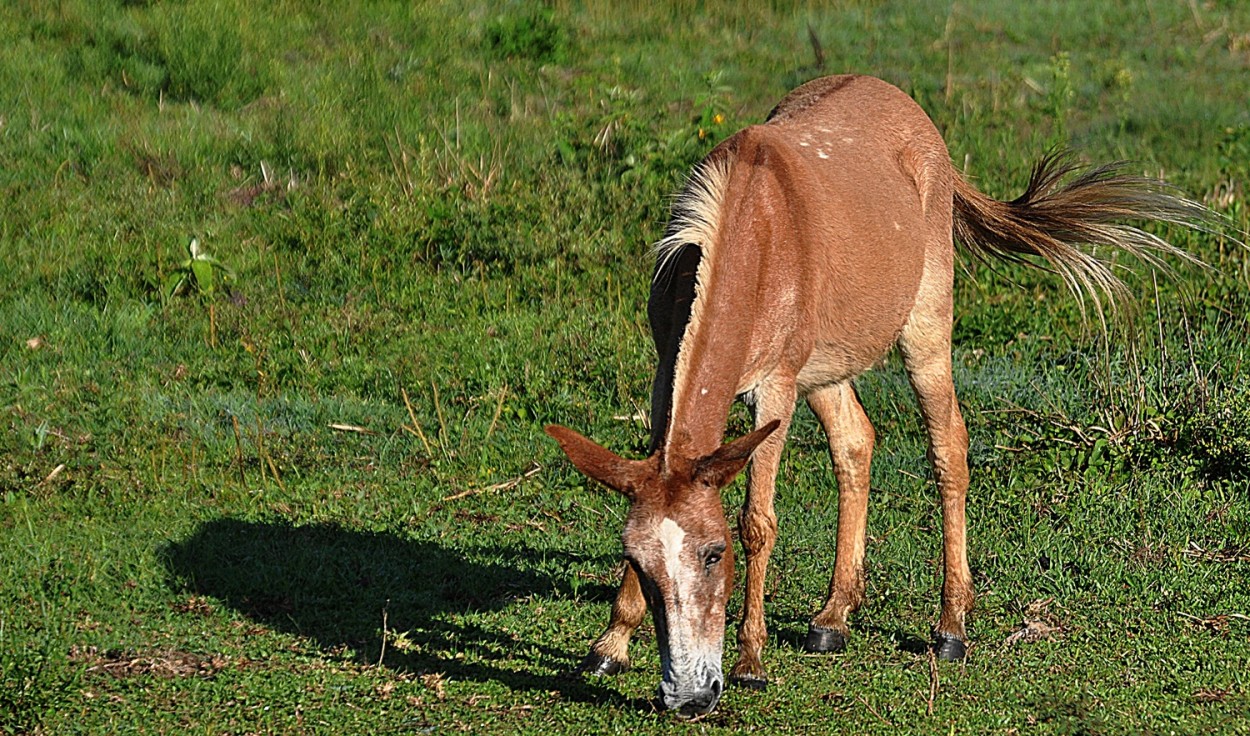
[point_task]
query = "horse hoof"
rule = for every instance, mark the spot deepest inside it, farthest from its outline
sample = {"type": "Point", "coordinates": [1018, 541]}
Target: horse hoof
{"type": "Point", "coordinates": [751, 682]}
{"type": "Point", "coordinates": [820, 639]}
{"type": "Point", "coordinates": [949, 649]}
{"type": "Point", "coordinates": [598, 665]}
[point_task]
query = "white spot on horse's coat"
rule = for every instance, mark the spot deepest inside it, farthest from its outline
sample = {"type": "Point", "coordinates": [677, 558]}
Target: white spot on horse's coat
{"type": "Point", "coordinates": [671, 538]}
{"type": "Point", "coordinates": [703, 392]}
{"type": "Point", "coordinates": [822, 154]}
{"type": "Point", "coordinates": [898, 226]}
{"type": "Point", "coordinates": [805, 144]}
{"type": "Point", "coordinates": [848, 140]}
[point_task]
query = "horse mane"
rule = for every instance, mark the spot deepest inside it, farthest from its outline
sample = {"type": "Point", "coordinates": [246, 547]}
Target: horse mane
{"type": "Point", "coordinates": [696, 212]}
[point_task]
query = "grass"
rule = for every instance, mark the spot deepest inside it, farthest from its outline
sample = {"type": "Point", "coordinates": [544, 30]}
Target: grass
{"type": "Point", "coordinates": [319, 499]}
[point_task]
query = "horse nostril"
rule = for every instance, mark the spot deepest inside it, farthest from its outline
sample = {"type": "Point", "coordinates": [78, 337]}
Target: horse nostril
{"type": "Point", "coordinates": [693, 704]}
{"type": "Point", "coordinates": [703, 702]}
{"type": "Point", "coordinates": [700, 706]}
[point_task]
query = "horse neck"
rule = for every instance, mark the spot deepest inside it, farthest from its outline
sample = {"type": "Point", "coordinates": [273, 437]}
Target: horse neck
{"type": "Point", "coordinates": [703, 311]}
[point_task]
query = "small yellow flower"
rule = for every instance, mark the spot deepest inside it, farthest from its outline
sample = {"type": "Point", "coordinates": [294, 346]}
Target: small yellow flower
{"type": "Point", "coordinates": [702, 133]}
{"type": "Point", "coordinates": [718, 118]}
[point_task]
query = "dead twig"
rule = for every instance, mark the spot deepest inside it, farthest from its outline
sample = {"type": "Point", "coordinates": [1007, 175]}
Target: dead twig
{"type": "Point", "coordinates": [350, 428]}
{"type": "Point", "coordinates": [637, 416]}
{"type": "Point", "coordinates": [385, 632]}
{"type": "Point", "coordinates": [238, 446]}
{"type": "Point", "coordinates": [534, 469]}
{"type": "Point", "coordinates": [442, 423]}
{"type": "Point", "coordinates": [873, 711]}
{"type": "Point", "coordinates": [55, 472]}
{"type": "Point", "coordinates": [1228, 554]}
{"type": "Point", "coordinates": [416, 426]}
{"type": "Point", "coordinates": [933, 681]}
{"type": "Point", "coordinates": [494, 420]}
{"type": "Point", "coordinates": [264, 454]}
{"type": "Point", "coordinates": [818, 52]}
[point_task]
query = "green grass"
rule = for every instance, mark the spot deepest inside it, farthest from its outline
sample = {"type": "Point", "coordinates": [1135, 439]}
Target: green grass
{"type": "Point", "coordinates": [438, 219]}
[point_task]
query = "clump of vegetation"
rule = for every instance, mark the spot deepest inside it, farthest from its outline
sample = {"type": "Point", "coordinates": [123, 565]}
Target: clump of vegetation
{"type": "Point", "coordinates": [203, 57]}
{"type": "Point", "coordinates": [1217, 433]}
{"type": "Point", "coordinates": [33, 680]}
{"type": "Point", "coordinates": [199, 271]}
{"type": "Point", "coordinates": [191, 52]}
{"type": "Point", "coordinates": [531, 34]}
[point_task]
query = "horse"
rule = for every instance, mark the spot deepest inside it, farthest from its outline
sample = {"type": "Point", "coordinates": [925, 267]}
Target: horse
{"type": "Point", "coordinates": [799, 253]}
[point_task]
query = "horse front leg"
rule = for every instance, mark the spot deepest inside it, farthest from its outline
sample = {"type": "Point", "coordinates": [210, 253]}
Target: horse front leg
{"type": "Point", "coordinates": [609, 654]}
{"type": "Point", "coordinates": [758, 529]}
{"type": "Point", "coordinates": [851, 439]}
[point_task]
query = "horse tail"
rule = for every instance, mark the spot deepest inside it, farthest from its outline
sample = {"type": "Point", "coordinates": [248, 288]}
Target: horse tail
{"type": "Point", "coordinates": [1067, 224]}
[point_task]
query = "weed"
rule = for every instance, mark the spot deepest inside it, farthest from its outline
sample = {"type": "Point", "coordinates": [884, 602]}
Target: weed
{"type": "Point", "coordinates": [199, 272]}
{"type": "Point", "coordinates": [1216, 432]}
{"type": "Point", "coordinates": [527, 33]}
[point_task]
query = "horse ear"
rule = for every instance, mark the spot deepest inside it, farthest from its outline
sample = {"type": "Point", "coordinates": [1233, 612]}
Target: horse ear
{"type": "Point", "coordinates": [730, 458]}
{"type": "Point", "coordinates": [597, 462]}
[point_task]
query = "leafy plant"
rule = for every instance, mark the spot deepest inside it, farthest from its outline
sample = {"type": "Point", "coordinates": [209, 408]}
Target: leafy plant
{"type": "Point", "coordinates": [198, 272]}
{"type": "Point", "coordinates": [711, 105]}
{"type": "Point", "coordinates": [1217, 434]}
{"type": "Point", "coordinates": [533, 35]}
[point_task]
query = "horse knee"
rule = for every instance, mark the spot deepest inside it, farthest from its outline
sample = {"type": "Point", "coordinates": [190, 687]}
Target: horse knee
{"type": "Point", "coordinates": [758, 531]}
{"type": "Point", "coordinates": [854, 451]}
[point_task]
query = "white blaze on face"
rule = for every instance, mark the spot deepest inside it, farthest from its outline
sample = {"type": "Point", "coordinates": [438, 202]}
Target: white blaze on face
{"type": "Point", "coordinates": [690, 664]}
{"type": "Point", "coordinates": [671, 538]}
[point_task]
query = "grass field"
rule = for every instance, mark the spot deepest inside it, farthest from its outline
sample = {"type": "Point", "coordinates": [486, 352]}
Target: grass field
{"type": "Point", "coordinates": [316, 497]}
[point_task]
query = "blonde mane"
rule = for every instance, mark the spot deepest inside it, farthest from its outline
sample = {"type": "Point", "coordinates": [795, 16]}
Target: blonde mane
{"type": "Point", "coordinates": [696, 213]}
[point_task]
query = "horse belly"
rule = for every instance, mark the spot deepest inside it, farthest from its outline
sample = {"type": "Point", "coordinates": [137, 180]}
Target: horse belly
{"type": "Point", "coordinates": [867, 279]}
{"type": "Point", "coordinates": [834, 363]}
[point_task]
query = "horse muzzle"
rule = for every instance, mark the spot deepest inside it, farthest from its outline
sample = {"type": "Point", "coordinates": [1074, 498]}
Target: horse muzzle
{"type": "Point", "coordinates": [693, 702]}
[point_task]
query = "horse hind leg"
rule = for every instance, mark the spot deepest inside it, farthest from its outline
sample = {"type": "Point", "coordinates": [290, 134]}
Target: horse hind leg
{"type": "Point", "coordinates": [925, 345]}
{"type": "Point", "coordinates": [609, 654]}
{"type": "Point", "coordinates": [851, 439]}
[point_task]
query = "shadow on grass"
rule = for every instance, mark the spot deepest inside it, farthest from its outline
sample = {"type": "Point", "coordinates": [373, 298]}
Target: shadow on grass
{"type": "Point", "coordinates": [792, 632]}
{"type": "Point", "coordinates": [332, 584]}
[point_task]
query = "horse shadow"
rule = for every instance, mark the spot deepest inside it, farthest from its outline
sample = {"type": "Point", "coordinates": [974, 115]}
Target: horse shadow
{"type": "Point", "coordinates": [350, 590]}
{"type": "Point", "coordinates": [792, 632]}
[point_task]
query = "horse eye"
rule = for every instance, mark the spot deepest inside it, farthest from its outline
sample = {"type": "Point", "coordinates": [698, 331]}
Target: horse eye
{"type": "Point", "coordinates": [712, 559]}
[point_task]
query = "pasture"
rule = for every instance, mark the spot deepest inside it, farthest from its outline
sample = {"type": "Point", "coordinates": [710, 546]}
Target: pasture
{"type": "Point", "coordinates": [307, 490]}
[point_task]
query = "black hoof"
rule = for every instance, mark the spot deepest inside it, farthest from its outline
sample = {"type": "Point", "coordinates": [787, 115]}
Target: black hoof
{"type": "Point", "coordinates": [820, 639]}
{"type": "Point", "coordinates": [949, 649]}
{"type": "Point", "coordinates": [751, 682]}
{"type": "Point", "coordinates": [600, 666]}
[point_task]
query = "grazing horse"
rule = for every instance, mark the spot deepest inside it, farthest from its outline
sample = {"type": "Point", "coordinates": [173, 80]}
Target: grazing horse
{"type": "Point", "coordinates": [799, 253]}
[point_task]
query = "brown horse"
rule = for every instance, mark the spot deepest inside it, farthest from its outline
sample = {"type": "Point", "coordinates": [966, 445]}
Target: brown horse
{"type": "Point", "coordinates": [801, 251]}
